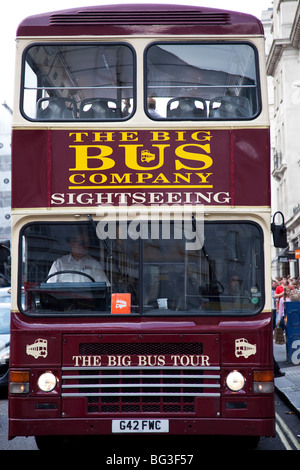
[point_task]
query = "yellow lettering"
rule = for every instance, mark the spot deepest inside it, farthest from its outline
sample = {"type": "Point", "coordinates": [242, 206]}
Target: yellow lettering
{"type": "Point", "coordinates": [74, 178]}
{"type": "Point", "coordinates": [180, 136]}
{"type": "Point", "coordinates": [160, 135]}
{"type": "Point", "coordinates": [78, 136]}
{"type": "Point", "coordinates": [143, 176]}
{"type": "Point", "coordinates": [161, 179]}
{"type": "Point", "coordinates": [197, 157]}
{"type": "Point", "coordinates": [129, 136]}
{"type": "Point", "coordinates": [94, 179]}
{"type": "Point", "coordinates": [126, 178]}
{"type": "Point", "coordinates": [82, 157]}
{"type": "Point", "coordinates": [184, 178]}
{"type": "Point", "coordinates": [103, 136]}
{"type": "Point", "coordinates": [198, 136]}
{"type": "Point", "coordinates": [203, 177]}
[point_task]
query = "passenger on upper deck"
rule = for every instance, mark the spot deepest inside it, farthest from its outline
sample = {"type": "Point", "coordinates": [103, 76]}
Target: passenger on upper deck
{"type": "Point", "coordinates": [152, 108]}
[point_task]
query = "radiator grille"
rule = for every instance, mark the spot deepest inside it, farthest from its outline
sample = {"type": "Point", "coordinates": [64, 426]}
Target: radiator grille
{"type": "Point", "coordinates": [140, 375]}
{"type": "Point", "coordinates": [139, 348]}
{"type": "Point", "coordinates": [140, 389]}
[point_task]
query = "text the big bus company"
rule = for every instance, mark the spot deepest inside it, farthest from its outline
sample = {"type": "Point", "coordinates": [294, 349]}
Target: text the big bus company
{"type": "Point", "coordinates": [116, 160]}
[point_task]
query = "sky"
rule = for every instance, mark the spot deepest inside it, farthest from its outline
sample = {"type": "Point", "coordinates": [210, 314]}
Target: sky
{"type": "Point", "coordinates": [16, 11]}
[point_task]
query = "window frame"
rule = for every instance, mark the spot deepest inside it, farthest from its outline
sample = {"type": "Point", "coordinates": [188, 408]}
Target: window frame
{"type": "Point", "coordinates": [141, 313]}
{"type": "Point", "coordinates": [77, 44]}
{"type": "Point", "coordinates": [200, 42]}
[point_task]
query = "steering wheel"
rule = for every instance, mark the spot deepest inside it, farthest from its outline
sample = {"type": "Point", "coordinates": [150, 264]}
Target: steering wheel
{"type": "Point", "coordinates": [67, 271]}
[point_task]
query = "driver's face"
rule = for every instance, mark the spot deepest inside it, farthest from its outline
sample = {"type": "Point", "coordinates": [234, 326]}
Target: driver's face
{"type": "Point", "coordinates": [79, 246]}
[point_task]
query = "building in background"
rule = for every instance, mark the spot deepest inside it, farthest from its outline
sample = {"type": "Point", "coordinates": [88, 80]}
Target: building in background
{"type": "Point", "coordinates": [282, 28]}
{"type": "Point", "coordinates": [5, 171]}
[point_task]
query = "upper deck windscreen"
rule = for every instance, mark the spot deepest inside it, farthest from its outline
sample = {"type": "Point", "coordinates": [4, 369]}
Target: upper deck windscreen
{"type": "Point", "coordinates": [202, 81]}
{"type": "Point", "coordinates": [87, 82]}
{"type": "Point", "coordinates": [96, 82]}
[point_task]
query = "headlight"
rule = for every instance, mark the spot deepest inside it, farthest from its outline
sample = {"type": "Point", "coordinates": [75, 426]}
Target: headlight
{"type": "Point", "coordinates": [235, 381]}
{"type": "Point", "coordinates": [47, 382]}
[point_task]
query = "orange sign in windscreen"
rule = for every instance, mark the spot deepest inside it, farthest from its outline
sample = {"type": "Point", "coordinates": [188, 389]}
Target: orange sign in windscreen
{"type": "Point", "coordinates": [120, 303]}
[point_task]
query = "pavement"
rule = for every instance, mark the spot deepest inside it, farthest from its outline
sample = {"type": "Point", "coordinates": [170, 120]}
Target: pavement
{"type": "Point", "coordinates": [289, 385]}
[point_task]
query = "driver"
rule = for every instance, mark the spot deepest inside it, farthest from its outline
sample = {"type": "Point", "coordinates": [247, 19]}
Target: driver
{"type": "Point", "coordinates": [78, 260]}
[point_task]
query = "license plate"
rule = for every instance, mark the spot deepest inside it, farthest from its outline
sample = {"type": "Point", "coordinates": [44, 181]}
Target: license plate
{"type": "Point", "coordinates": [140, 425]}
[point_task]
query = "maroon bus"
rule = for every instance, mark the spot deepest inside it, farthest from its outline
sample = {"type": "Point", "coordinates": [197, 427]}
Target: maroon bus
{"type": "Point", "coordinates": [141, 225]}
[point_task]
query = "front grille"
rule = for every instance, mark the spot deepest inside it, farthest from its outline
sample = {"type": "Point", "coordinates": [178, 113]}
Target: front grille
{"type": "Point", "coordinates": [139, 348]}
{"type": "Point", "coordinates": [149, 374]}
{"type": "Point", "coordinates": [140, 389]}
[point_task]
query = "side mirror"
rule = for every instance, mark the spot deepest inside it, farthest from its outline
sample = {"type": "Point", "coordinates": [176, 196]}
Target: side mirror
{"type": "Point", "coordinates": [279, 232]}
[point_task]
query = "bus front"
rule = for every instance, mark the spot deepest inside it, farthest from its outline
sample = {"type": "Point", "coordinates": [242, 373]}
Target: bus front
{"type": "Point", "coordinates": [141, 225]}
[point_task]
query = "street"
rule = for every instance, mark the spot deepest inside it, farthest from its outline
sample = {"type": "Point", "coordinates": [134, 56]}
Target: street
{"type": "Point", "coordinates": [287, 438]}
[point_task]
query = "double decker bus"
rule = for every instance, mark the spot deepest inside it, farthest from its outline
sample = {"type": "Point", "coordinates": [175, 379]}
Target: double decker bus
{"type": "Point", "coordinates": [141, 225]}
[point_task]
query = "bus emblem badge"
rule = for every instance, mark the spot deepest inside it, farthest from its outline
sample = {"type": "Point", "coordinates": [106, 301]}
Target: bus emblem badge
{"type": "Point", "coordinates": [38, 349]}
{"type": "Point", "coordinates": [243, 348]}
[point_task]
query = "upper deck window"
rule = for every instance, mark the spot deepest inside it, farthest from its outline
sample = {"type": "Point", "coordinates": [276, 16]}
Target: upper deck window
{"type": "Point", "coordinates": [198, 81]}
{"type": "Point", "coordinates": [65, 82]}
